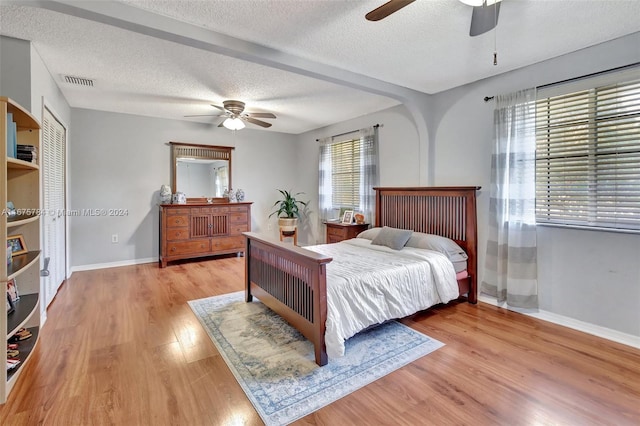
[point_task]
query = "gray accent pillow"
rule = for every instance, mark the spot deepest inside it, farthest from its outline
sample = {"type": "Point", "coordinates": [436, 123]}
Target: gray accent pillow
{"type": "Point", "coordinates": [392, 237]}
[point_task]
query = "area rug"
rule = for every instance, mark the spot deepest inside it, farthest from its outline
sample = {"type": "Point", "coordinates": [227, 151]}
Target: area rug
{"type": "Point", "coordinates": [275, 364]}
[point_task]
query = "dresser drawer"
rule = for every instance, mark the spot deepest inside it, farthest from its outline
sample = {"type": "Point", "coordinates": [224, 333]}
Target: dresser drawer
{"type": "Point", "coordinates": [238, 217]}
{"type": "Point", "coordinates": [178, 220]}
{"type": "Point", "coordinates": [181, 233]}
{"type": "Point", "coordinates": [336, 232]}
{"type": "Point", "coordinates": [227, 243]}
{"type": "Point", "coordinates": [237, 229]}
{"type": "Point", "coordinates": [333, 239]}
{"type": "Point", "coordinates": [210, 210]}
{"type": "Point", "coordinates": [177, 211]}
{"type": "Point", "coordinates": [188, 247]}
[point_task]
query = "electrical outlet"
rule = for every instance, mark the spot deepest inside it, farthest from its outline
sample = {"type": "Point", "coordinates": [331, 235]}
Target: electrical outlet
{"type": "Point", "coordinates": [114, 238]}
{"type": "Point", "coordinates": [269, 226]}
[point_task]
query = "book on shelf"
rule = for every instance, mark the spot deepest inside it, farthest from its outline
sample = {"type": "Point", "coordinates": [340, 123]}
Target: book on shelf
{"type": "Point", "coordinates": [12, 136]}
{"type": "Point", "coordinates": [27, 153]}
{"type": "Point", "coordinates": [29, 158]}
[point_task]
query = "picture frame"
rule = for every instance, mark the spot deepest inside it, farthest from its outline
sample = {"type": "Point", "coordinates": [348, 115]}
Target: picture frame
{"type": "Point", "coordinates": [10, 306]}
{"type": "Point", "coordinates": [12, 290]}
{"type": "Point", "coordinates": [347, 218]}
{"type": "Point", "coordinates": [18, 246]}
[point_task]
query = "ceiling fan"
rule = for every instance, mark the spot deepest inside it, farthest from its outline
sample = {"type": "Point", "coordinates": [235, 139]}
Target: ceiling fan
{"type": "Point", "coordinates": [484, 16]}
{"type": "Point", "coordinates": [236, 115]}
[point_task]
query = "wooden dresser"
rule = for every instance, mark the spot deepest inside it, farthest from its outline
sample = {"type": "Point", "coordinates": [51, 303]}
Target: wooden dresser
{"type": "Point", "coordinates": [337, 231]}
{"type": "Point", "coordinates": [197, 230]}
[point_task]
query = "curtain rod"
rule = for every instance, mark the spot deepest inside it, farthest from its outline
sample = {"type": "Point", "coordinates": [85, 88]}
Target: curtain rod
{"type": "Point", "coordinates": [375, 126]}
{"type": "Point", "coordinates": [568, 80]}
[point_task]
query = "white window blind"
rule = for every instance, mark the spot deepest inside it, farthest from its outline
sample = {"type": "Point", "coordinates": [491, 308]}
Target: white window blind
{"type": "Point", "coordinates": [345, 173]}
{"type": "Point", "coordinates": [588, 157]}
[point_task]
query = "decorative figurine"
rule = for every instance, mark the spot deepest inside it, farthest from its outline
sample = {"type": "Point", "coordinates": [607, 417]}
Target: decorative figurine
{"type": "Point", "coordinates": [165, 194]}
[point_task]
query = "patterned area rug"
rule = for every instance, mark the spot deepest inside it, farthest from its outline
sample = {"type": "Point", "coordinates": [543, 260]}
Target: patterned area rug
{"type": "Point", "coordinates": [275, 365]}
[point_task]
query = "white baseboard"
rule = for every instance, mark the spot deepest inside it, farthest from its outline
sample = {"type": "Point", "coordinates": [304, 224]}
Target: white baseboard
{"type": "Point", "coordinates": [112, 264]}
{"type": "Point", "coordinates": [596, 330]}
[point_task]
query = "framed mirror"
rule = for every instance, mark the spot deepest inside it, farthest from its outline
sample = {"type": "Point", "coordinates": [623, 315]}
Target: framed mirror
{"type": "Point", "coordinates": [202, 172]}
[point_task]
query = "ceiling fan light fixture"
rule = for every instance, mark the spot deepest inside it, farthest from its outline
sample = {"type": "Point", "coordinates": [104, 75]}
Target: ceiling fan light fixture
{"type": "Point", "coordinates": [476, 3]}
{"type": "Point", "coordinates": [233, 123]}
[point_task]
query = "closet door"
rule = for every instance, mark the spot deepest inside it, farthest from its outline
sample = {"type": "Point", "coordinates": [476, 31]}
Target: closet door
{"type": "Point", "coordinates": [54, 244]}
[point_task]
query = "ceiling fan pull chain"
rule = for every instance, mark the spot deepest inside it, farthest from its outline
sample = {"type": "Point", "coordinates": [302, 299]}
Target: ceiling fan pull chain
{"type": "Point", "coordinates": [495, 36]}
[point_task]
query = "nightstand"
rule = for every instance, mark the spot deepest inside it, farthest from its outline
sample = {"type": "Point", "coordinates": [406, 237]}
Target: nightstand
{"type": "Point", "coordinates": [337, 231]}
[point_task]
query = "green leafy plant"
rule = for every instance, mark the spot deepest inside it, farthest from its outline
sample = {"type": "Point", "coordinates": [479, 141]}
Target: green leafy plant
{"type": "Point", "coordinates": [288, 206]}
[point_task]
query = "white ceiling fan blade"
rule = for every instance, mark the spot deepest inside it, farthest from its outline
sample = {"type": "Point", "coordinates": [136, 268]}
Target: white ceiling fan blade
{"type": "Point", "coordinates": [206, 115]}
{"type": "Point", "coordinates": [260, 115]}
{"type": "Point", "coordinates": [484, 18]}
{"type": "Point", "coordinates": [257, 122]}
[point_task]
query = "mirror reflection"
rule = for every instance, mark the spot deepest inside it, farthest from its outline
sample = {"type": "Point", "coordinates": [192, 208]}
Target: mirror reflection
{"type": "Point", "coordinates": [201, 172]}
{"type": "Point", "coordinates": [202, 178]}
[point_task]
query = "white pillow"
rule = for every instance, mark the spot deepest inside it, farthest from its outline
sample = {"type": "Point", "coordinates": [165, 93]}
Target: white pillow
{"type": "Point", "coordinates": [369, 234]}
{"type": "Point", "coordinates": [420, 240]}
{"type": "Point", "coordinates": [444, 245]}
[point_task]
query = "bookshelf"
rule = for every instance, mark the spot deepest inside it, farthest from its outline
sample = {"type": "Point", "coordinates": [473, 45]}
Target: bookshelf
{"type": "Point", "coordinates": [20, 184]}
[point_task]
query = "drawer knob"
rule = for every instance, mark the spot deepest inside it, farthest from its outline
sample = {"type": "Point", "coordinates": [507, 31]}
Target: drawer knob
{"type": "Point", "coordinates": [173, 249]}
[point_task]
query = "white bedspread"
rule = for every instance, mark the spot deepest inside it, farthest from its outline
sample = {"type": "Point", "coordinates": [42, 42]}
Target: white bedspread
{"type": "Point", "coordinates": [369, 284]}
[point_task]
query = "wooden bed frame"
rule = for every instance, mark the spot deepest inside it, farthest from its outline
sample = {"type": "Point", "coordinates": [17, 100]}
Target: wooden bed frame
{"type": "Point", "coordinates": [292, 280]}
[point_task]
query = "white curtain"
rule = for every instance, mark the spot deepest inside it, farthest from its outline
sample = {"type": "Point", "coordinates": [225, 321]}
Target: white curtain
{"type": "Point", "coordinates": [511, 260]}
{"type": "Point", "coordinates": [369, 173]}
{"type": "Point", "coordinates": [325, 206]}
{"type": "Point", "coordinates": [368, 138]}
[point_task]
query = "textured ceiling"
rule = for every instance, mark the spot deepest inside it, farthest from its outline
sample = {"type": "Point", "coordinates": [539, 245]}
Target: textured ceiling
{"type": "Point", "coordinates": [424, 47]}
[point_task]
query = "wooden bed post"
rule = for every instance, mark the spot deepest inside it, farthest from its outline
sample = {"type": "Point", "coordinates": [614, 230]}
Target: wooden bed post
{"type": "Point", "coordinates": [472, 247]}
{"type": "Point", "coordinates": [248, 297]}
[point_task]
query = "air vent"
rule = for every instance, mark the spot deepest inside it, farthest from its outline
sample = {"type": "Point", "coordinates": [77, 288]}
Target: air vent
{"type": "Point", "coordinates": [78, 81]}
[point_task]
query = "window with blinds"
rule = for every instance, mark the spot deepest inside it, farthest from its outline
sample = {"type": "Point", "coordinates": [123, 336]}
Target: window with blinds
{"type": "Point", "coordinates": [345, 173]}
{"type": "Point", "coordinates": [588, 158]}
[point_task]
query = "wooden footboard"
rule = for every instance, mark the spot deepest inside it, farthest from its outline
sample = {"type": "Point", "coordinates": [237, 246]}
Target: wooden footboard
{"type": "Point", "coordinates": [292, 282]}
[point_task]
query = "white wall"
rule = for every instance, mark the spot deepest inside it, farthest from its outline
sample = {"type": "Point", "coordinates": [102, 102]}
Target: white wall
{"type": "Point", "coordinates": [119, 161]}
{"type": "Point", "coordinates": [399, 159]}
{"type": "Point", "coordinates": [43, 86]}
{"type": "Point", "coordinates": [591, 276]}
{"type": "Point", "coordinates": [15, 69]}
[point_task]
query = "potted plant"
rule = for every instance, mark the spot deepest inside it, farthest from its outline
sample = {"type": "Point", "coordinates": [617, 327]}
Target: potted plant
{"type": "Point", "coordinates": [288, 210]}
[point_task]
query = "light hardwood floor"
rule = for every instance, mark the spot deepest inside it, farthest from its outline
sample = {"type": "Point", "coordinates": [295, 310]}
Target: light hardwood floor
{"type": "Point", "coordinates": [122, 347]}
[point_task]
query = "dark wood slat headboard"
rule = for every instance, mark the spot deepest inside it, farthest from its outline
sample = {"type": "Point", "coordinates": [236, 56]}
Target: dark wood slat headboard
{"type": "Point", "coordinates": [448, 211]}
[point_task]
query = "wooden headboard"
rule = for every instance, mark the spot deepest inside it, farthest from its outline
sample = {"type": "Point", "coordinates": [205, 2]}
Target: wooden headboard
{"type": "Point", "coordinates": [448, 211]}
